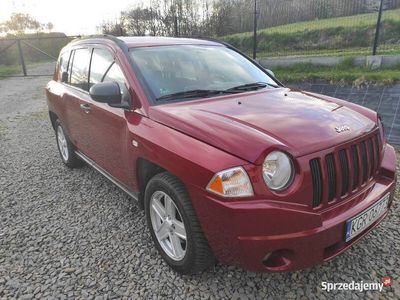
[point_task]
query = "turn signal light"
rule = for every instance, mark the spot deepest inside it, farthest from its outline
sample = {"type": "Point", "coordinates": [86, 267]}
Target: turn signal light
{"type": "Point", "coordinates": [231, 183]}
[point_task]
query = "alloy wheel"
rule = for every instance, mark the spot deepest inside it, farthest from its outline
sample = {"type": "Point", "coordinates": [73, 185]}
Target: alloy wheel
{"type": "Point", "coordinates": [62, 143]}
{"type": "Point", "coordinates": [168, 225]}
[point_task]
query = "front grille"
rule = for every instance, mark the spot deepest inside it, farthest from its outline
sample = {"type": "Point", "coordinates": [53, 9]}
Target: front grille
{"type": "Point", "coordinates": [356, 166]}
{"type": "Point", "coordinates": [330, 165]}
{"type": "Point", "coordinates": [364, 162]}
{"type": "Point", "coordinates": [317, 181]}
{"type": "Point", "coordinates": [378, 147]}
{"type": "Point", "coordinates": [346, 170]}
{"type": "Point", "coordinates": [344, 164]}
{"type": "Point", "coordinates": [371, 155]}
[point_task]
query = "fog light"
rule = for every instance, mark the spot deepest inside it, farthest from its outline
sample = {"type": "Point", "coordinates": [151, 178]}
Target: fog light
{"type": "Point", "coordinates": [278, 260]}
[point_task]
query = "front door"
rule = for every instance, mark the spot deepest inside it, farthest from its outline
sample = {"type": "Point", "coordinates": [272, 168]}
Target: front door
{"type": "Point", "coordinates": [108, 127]}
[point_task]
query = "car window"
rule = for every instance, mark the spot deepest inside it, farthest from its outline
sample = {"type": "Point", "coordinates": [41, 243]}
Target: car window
{"type": "Point", "coordinates": [102, 60]}
{"type": "Point", "coordinates": [115, 74]}
{"type": "Point", "coordinates": [174, 69]}
{"type": "Point", "coordinates": [79, 72]}
{"type": "Point", "coordinates": [63, 64]}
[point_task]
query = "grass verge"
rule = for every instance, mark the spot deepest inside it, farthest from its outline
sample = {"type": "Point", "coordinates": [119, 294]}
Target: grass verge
{"type": "Point", "coordinates": [345, 72]}
{"type": "Point", "coordinates": [9, 70]}
{"type": "Point", "coordinates": [347, 52]}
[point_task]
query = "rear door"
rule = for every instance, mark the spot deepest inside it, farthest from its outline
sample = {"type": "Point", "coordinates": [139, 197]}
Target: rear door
{"type": "Point", "coordinates": [76, 99]}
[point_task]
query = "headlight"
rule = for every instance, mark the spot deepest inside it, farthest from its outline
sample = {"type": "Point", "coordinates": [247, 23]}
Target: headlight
{"type": "Point", "coordinates": [231, 183]}
{"type": "Point", "coordinates": [277, 170]}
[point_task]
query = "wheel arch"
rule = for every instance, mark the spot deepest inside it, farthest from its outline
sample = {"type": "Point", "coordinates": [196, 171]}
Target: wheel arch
{"type": "Point", "coordinates": [53, 117]}
{"type": "Point", "coordinates": [145, 170]}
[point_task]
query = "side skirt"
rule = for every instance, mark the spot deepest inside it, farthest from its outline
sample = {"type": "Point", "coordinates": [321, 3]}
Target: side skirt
{"type": "Point", "coordinates": [123, 187]}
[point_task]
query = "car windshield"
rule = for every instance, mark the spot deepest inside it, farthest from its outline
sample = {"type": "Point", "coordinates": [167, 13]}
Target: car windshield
{"type": "Point", "coordinates": [186, 72]}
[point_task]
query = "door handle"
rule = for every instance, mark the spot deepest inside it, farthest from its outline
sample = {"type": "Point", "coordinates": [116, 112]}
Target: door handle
{"type": "Point", "coordinates": [86, 108]}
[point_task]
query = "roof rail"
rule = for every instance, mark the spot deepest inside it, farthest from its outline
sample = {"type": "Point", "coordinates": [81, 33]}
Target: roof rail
{"type": "Point", "coordinates": [112, 38]}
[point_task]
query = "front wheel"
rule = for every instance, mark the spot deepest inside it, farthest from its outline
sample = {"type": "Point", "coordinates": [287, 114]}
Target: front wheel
{"type": "Point", "coordinates": [174, 227]}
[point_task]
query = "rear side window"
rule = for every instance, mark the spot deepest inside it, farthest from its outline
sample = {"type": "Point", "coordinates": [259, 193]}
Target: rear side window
{"type": "Point", "coordinates": [102, 61]}
{"type": "Point", "coordinates": [79, 70]}
{"type": "Point", "coordinates": [63, 64]}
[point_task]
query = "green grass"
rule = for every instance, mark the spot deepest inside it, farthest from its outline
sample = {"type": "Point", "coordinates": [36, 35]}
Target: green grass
{"type": "Point", "coordinates": [345, 72]}
{"type": "Point", "coordinates": [9, 70]}
{"type": "Point", "coordinates": [17, 69]}
{"type": "Point", "coordinates": [362, 20]}
{"type": "Point", "coordinates": [341, 36]}
{"type": "Point", "coordinates": [349, 52]}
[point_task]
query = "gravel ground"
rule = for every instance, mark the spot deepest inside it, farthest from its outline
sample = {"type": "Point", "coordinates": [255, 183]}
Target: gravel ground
{"type": "Point", "coordinates": [72, 234]}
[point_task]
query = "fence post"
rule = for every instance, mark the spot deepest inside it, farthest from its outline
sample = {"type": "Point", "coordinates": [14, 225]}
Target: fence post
{"type": "Point", "coordinates": [255, 31]}
{"type": "Point", "coordinates": [176, 30]}
{"type": "Point", "coordinates": [21, 57]}
{"type": "Point", "coordinates": [378, 27]}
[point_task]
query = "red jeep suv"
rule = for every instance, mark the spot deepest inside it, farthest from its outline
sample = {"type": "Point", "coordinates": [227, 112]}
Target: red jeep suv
{"type": "Point", "coordinates": [227, 163]}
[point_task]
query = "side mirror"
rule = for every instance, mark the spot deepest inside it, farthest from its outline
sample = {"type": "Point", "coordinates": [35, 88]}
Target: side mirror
{"type": "Point", "coordinates": [270, 73]}
{"type": "Point", "coordinates": [64, 76]}
{"type": "Point", "coordinates": [108, 92]}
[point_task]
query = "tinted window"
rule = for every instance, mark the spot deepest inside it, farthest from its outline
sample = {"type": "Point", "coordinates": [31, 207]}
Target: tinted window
{"type": "Point", "coordinates": [63, 64]}
{"type": "Point", "coordinates": [79, 72]}
{"type": "Point", "coordinates": [115, 74]}
{"type": "Point", "coordinates": [102, 60]}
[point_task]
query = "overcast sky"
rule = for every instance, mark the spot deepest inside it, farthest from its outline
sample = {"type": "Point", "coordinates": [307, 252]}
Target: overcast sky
{"type": "Point", "coordinates": [70, 16]}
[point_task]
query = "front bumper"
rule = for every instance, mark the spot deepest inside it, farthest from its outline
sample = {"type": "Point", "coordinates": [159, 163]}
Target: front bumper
{"type": "Point", "coordinates": [263, 235]}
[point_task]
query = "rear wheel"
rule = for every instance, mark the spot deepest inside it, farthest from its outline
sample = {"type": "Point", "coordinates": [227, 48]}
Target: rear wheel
{"type": "Point", "coordinates": [174, 226]}
{"type": "Point", "coordinates": [65, 147]}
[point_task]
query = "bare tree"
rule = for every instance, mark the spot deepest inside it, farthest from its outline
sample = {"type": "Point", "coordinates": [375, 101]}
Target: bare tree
{"type": "Point", "coordinates": [112, 28]}
{"type": "Point", "coordinates": [19, 23]}
{"type": "Point", "coordinates": [222, 17]}
{"type": "Point", "coordinates": [49, 26]}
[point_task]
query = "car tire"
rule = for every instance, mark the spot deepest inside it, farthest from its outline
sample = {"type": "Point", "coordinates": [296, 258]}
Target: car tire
{"type": "Point", "coordinates": [197, 254]}
{"type": "Point", "coordinates": [65, 147]}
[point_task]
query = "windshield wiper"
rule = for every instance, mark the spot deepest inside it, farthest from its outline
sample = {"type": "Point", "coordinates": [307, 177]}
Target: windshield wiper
{"type": "Point", "coordinates": [250, 86]}
{"type": "Point", "coordinates": [193, 94]}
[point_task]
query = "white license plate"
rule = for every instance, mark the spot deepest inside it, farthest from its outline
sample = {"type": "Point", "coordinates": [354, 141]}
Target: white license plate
{"type": "Point", "coordinates": [357, 224]}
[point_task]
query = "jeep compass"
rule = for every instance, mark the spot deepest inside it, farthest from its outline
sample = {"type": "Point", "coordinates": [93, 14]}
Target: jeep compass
{"type": "Point", "coordinates": [227, 163]}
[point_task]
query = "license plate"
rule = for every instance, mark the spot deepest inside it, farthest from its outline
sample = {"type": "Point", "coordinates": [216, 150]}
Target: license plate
{"type": "Point", "coordinates": [357, 224]}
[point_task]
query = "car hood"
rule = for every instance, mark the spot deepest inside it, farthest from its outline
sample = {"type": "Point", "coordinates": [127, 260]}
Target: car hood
{"type": "Point", "coordinates": [248, 125]}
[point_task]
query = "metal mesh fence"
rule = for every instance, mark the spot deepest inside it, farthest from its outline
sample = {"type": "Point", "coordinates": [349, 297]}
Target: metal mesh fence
{"type": "Point", "coordinates": [320, 28]}
{"type": "Point", "coordinates": [383, 99]}
{"type": "Point", "coordinates": [19, 53]}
